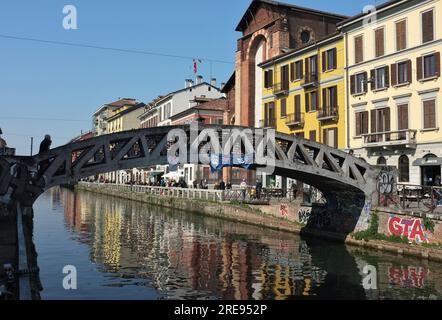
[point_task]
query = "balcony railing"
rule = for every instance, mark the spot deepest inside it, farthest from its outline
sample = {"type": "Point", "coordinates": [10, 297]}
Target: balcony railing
{"type": "Point", "coordinates": [310, 80]}
{"type": "Point", "coordinates": [281, 88]}
{"type": "Point", "coordinates": [295, 120]}
{"type": "Point", "coordinates": [391, 138]}
{"type": "Point", "coordinates": [328, 113]}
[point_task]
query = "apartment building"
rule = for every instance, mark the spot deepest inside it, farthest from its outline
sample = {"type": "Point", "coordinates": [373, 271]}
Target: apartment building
{"type": "Point", "coordinates": [106, 111]}
{"type": "Point", "coordinates": [393, 83]}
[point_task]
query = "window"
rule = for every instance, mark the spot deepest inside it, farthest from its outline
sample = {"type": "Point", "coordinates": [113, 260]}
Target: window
{"type": "Point", "coordinates": [380, 77]}
{"type": "Point", "coordinates": [329, 101]}
{"type": "Point", "coordinates": [404, 169]}
{"type": "Point", "coordinates": [401, 35]}
{"type": "Point", "coordinates": [359, 49]}
{"type": "Point", "coordinates": [311, 101]}
{"type": "Point", "coordinates": [270, 115]}
{"type": "Point", "coordinates": [358, 83]}
{"type": "Point", "coordinates": [268, 79]}
{"type": "Point", "coordinates": [430, 114]}
{"type": "Point", "coordinates": [331, 137]}
{"type": "Point", "coordinates": [312, 135]}
{"type": "Point", "coordinates": [292, 72]}
{"type": "Point", "coordinates": [285, 77]}
{"type": "Point", "coordinates": [379, 42]}
{"type": "Point", "coordinates": [298, 107]}
{"type": "Point", "coordinates": [305, 36]}
{"type": "Point", "coordinates": [402, 72]}
{"type": "Point", "coordinates": [402, 112]}
{"type": "Point", "coordinates": [361, 123]}
{"type": "Point", "coordinates": [427, 26]}
{"type": "Point", "coordinates": [428, 66]}
{"type": "Point", "coordinates": [283, 107]}
{"type": "Point", "coordinates": [380, 123]}
{"type": "Point", "coordinates": [299, 71]}
{"type": "Point", "coordinates": [381, 162]}
{"type": "Point", "coordinates": [311, 69]}
{"type": "Point", "coordinates": [329, 60]}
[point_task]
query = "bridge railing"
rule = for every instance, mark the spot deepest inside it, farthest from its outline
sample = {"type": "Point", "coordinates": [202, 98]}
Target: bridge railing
{"type": "Point", "coordinates": [249, 195]}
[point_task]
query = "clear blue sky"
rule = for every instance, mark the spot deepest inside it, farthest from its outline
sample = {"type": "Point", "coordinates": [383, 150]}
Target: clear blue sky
{"type": "Point", "coordinates": [40, 82]}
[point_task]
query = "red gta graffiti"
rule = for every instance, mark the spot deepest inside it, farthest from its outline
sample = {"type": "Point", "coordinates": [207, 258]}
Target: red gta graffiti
{"type": "Point", "coordinates": [409, 228]}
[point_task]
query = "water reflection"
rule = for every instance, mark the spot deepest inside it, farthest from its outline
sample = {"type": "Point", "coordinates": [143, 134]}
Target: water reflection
{"type": "Point", "coordinates": [187, 256]}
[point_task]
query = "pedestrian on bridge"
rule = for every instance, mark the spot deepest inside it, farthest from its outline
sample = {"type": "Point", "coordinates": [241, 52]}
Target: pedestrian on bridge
{"type": "Point", "coordinates": [243, 187]}
{"type": "Point", "coordinates": [45, 145]}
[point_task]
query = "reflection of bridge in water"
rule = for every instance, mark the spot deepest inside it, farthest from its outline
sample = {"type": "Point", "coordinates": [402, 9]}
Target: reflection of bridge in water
{"type": "Point", "coordinates": [189, 256]}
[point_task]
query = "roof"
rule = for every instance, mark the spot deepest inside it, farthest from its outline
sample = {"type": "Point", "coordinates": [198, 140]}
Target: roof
{"type": "Point", "coordinates": [214, 105]}
{"type": "Point", "coordinates": [169, 95]}
{"type": "Point", "coordinates": [128, 110]}
{"type": "Point", "coordinates": [324, 41]}
{"type": "Point", "coordinates": [118, 104]}
{"type": "Point", "coordinates": [230, 83]}
{"type": "Point", "coordinates": [362, 14]}
{"type": "Point", "coordinates": [256, 3]}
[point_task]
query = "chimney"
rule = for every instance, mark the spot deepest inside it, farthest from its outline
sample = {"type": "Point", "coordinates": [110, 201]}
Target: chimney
{"type": "Point", "coordinates": [223, 84]}
{"type": "Point", "coordinates": [188, 83]}
{"type": "Point", "coordinates": [213, 82]}
{"type": "Point", "coordinates": [199, 79]}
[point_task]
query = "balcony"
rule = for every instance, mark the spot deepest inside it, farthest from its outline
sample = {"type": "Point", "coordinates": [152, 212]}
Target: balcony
{"type": "Point", "coordinates": [328, 114]}
{"type": "Point", "coordinates": [386, 140]}
{"type": "Point", "coordinates": [310, 80]}
{"type": "Point", "coordinates": [295, 120]}
{"type": "Point", "coordinates": [267, 124]}
{"type": "Point", "coordinates": [281, 89]}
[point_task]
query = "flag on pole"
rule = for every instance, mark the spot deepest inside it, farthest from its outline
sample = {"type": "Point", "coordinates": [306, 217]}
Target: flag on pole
{"type": "Point", "coordinates": [195, 65]}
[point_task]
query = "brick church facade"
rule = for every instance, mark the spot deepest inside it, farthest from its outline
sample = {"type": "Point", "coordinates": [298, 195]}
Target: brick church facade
{"type": "Point", "coordinates": [270, 28]}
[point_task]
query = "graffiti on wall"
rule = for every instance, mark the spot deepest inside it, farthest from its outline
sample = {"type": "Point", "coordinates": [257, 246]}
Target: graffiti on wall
{"type": "Point", "coordinates": [318, 218]}
{"type": "Point", "coordinates": [284, 210]}
{"type": "Point", "coordinates": [408, 276]}
{"type": "Point", "coordinates": [411, 228]}
{"type": "Point", "coordinates": [387, 187]}
{"type": "Point", "coordinates": [304, 215]}
{"type": "Point", "coordinates": [364, 217]}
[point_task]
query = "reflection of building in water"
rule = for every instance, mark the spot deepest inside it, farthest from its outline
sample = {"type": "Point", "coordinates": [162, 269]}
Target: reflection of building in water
{"type": "Point", "coordinates": [187, 256]}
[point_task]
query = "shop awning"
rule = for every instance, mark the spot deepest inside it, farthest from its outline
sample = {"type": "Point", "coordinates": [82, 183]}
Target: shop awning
{"type": "Point", "coordinates": [428, 162]}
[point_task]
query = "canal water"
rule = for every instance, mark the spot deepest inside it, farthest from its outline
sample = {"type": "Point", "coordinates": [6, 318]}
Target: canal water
{"type": "Point", "coordinates": [127, 250]}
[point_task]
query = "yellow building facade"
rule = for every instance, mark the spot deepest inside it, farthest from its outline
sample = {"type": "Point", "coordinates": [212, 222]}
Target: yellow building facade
{"type": "Point", "coordinates": [393, 88]}
{"type": "Point", "coordinates": [304, 92]}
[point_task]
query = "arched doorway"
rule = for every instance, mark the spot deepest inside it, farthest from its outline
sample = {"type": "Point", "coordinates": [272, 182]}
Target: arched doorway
{"type": "Point", "coordinates": [430, 169]}
{"type": "Point", "coordinates": [404, 169]}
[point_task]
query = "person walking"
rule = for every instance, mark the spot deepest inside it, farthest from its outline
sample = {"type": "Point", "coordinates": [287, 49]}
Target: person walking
{"type": "Point", "coordinates": [243, 187]}
{"type": "Point", "coordinates": [258, 189]}
{"type": "Point", "coordinates": [222, 186]}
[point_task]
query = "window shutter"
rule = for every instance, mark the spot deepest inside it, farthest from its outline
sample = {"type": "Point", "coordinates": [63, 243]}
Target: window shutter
{"type": "Point", "coordinates": [387, 120]}
{"type": "Point", "coordinates": [429, 114]}
{"type": "Point", "coordinates": [324, 61]}
{"type": "Point", "coordinates": [437, 63]}
{"type": "Point", "coordinates": [298, 104]}
{"type": "Point", "coordinates": [352, 84]}
{"type": "Point", "coordinates": [307, 67]}
{"type": "Point", "coordinates": [409, 71]}
{"type": "Point", "coordinates": [365, 81]}
{"type": "Point", "coordinates": [394, 74]}
{"type": "Point", "coordinates": [373, 121]}
{"type": "Point", "coordinates": [387, 76]}
{"type": "Point", "coordinates": [301, 69]}
{"type": "Point", "coordinates": [335, 59]}
{"type": "Point", "coordinates": [292, 72]}
{"type": "Point", "coordinates": [283, 107]}
{"type": "Point", "coordinates": [336, 137]}
{"type": "Point", "coordinates": [401, 34]}
{"type": "Point", "coordinates": [335, 97]}
{"type": "Point", "coordinates": [307, 102]}
{"type": "Point", "coordinates": [419, 69]}
{"type": "Point", "coordinates": [365, 122]}
{"type": "Point", "coordinates": [324, 136]}
{"type": "Point", "coordinates": [358, 123]}
{"type": "Point", "coordinates": [266, 79]}
{"type": "Point", "coordinates": [379, 42]}
{"type": "Point", "coordinates": [324, 99]}
{"type": "Point", "coordinates": [373, 79]}
{"type": "Point", "coordinates": [427, 26]}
